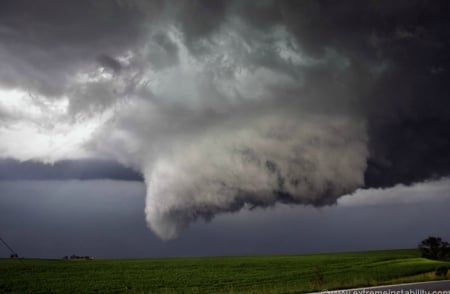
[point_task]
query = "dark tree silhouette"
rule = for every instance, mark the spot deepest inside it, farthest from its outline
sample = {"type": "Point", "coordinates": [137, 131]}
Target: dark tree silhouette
{"type": "Point", "coordinates": [434, 248]}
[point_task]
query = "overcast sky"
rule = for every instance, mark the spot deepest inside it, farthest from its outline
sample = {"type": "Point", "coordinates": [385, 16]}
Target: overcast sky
{"type": "Point", "coordinates": [105, 219]}
{"type": "Point", "coordinates": [168, 128]}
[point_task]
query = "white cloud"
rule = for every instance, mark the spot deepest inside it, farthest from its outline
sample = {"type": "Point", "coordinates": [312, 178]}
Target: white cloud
{"type": "Point", "coordinates": [40, 128]}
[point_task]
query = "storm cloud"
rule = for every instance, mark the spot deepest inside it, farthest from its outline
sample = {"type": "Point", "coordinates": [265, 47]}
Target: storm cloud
{"type": "Point", "coordinates": [222, 105]}
{"type": "Point", "coordinates": [86, 169]}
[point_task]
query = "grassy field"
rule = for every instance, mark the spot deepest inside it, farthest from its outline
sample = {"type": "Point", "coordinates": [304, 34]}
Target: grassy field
{"type": "Point", "coordinates": [268, 274]}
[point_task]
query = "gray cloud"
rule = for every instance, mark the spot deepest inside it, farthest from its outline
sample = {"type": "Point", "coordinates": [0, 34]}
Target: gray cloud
{"type": "Point", "coordinates": [44, 45]}
{"type": "Point", "coordinates": [109, 63]}
{"type": "Point", "coordinates": [88, 169]}
{"type": "Point", "coordinates": [226, 104]}
{"type": "Point", "coordinates": [294, 162]}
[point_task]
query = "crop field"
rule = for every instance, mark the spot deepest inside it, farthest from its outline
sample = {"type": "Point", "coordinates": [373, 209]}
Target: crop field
{"type": "Point", "coordinates": [263, 274]}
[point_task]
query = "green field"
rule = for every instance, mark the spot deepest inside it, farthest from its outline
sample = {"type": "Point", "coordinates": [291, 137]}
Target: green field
{"type": "Point", "coordinates": [268, 274]}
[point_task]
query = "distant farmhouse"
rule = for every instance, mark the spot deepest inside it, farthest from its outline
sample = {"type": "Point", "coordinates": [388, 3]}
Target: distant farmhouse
{"type": "Point", "coordinates": [76, 257]}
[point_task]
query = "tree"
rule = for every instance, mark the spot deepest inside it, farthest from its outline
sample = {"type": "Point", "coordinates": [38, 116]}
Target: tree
{"type": "Point", "coordinates": [434, 248]}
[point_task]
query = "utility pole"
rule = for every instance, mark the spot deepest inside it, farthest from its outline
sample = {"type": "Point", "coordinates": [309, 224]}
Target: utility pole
{"type": "Point", "coordinates": [13, 253]}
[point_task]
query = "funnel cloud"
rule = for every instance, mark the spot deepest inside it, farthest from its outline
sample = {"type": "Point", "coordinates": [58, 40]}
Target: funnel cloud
{"type": "Point", "coordinates": [229, 105]}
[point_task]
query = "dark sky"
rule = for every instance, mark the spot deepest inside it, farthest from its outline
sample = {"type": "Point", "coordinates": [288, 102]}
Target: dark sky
{"type": "Point", "coordinates": [167, 114]}
{"type": "Point", "coordinates": [105, 219]}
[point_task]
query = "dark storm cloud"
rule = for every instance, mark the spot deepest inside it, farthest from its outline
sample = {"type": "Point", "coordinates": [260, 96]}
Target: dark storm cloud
{"type": "Point", "coordinates": [44, 44]}
{"type": "Point", "coordinates": [198, 19]}
{"type": "Point", "coordinates": [109, 63]}
{"type": "Point", "coordinates": [397, 78]}
{"type": "Point", "coordinates": [394, 72]}
{"type": "Point", "coordinates": [399, 67]}
{"type": "Point", "coordinates": [222, 104]}
{"type": "Point", "coordinates": [11, 169]}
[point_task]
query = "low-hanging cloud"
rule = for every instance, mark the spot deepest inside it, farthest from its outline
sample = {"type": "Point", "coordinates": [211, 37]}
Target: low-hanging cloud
{"type": "Point", "coordinates": [265, 161]}
{"type": "Point", "coordinates": [224, 105]}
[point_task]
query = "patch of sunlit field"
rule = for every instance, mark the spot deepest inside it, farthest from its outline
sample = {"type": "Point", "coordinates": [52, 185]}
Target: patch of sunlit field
{"type": "Point", "coordinates": [262, 274]}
